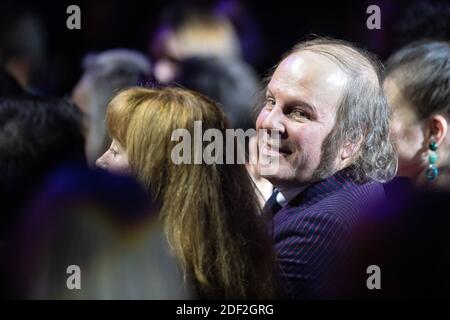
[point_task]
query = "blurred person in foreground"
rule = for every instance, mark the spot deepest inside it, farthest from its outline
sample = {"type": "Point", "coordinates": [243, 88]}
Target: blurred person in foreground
{"type": "Point", "coordinates": [418, 90]}
{"type": "Point", "coordinates": [36, 136]}
{"type": "Point", "coordinates": [104, 74]}
{"type": "Point", "coordinates": [325, 100]}
{"type": "Point", "coordinates": [401, 250]}
{"type": "Point", "coordinates": [106, 226]}
{"type": "Point", "coordinates": [209, 212]}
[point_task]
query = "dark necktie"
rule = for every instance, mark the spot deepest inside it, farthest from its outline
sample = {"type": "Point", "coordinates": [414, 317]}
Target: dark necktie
{"type": "Point", "coordinates": [272, 206]}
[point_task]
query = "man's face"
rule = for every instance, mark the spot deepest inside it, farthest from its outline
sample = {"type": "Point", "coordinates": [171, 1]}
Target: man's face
{"type": "Point", "coordinates": [301, 104]}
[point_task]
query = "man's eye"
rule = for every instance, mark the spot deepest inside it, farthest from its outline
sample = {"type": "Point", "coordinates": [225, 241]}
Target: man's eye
{"type": "Point", "coordinates": [300, 114]}
{"type": "Point", "coordinates": [270, 102]}
{"type": "Point", "coordinates": [114, 152]}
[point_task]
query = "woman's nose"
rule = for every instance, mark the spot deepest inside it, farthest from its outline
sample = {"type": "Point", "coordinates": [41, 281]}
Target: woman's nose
{"type": "Point", "coordinates": [100, 163]}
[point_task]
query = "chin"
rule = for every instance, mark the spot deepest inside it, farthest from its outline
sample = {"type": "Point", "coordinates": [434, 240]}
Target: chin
{"type": "Point", "coordinates": [283, 176]}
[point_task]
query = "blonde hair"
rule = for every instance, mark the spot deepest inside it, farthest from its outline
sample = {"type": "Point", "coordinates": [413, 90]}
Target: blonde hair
{"type": "Point", "coordinates": [209, 212]}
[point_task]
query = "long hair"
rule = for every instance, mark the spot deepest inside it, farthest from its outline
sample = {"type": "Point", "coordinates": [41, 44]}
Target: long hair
{"type": "Point", "coordinates": [209, 212]}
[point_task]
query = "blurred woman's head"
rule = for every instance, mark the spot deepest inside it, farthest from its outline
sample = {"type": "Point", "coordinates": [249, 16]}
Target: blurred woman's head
{"type": "Point", "coordinates": [418, 90]}
{"type": "Point", "coordinates": [209, 211]}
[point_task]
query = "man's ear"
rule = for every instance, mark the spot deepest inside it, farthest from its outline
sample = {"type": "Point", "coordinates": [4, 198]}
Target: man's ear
{"type": "Point", "coordinates": [437, 126]}
{"type": "Point", "coordinates": [348, 150]}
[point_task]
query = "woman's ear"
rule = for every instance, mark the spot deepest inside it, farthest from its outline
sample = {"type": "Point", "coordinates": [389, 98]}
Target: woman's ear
{"type": "Point", "coordinates": [438, 128]}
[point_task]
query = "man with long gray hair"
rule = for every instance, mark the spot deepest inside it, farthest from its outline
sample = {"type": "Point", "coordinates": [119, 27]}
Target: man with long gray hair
{"type": "Point", "coordinates": [326, 102]}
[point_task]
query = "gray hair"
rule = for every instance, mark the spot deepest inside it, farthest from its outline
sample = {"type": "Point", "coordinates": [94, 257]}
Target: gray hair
{"type": "Point", "coordinates": [107, 73]}
{"type": "Point", "coordinates": [117, 60]}
{"type": "Point", "coordinates": [363, 114]}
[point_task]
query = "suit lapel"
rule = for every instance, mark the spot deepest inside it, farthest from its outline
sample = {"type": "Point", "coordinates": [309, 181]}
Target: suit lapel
{"type": "Point", "coordinates": [317, 192]}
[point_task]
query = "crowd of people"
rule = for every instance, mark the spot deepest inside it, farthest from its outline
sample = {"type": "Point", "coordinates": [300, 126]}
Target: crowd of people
{"type": "Point", "coordinates": [359, 172]}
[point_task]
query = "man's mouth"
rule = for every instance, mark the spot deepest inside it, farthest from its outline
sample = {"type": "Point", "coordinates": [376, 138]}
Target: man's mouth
{"type": "Point", "coordinates": [270, 150]}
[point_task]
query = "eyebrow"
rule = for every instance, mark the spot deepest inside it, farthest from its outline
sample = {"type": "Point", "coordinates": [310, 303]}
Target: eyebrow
{"type": "Point", "coordinates": [307, 105]}
{"type": "Point", "coordinates": [297, 102]}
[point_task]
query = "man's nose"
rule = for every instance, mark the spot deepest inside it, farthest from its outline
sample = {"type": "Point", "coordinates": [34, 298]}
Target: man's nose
{"type": "Point", "coordinates": [275, 121]}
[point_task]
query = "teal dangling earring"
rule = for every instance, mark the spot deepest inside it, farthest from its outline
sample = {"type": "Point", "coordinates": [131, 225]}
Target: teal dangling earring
{"type": "Point", "coordinates": [432, 170]}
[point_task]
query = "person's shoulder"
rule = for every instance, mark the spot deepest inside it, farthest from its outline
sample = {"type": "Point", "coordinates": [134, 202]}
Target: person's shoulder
{"type": "Point", "coordinates": [343, 208]}
{"type": "Point", "coordinates": [362, 192]}
{"type": "Point", "coordinates": [349, 205]}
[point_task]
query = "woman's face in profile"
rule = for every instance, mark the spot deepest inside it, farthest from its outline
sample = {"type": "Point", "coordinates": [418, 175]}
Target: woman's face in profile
{"type": "Point", "coordinates": [115, 159]}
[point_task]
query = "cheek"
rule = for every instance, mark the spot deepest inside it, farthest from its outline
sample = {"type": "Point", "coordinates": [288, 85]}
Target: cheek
{"type": "Point", "coordinates": [405, 129]}
{"type": "Point", "coordinates": [405, 134]}
{"type": "Point", "coordinates": [396, 130]}
{"type": "Point", "coordinates": [122, 163]}
{"type": "Point", "coordinates": [409, 143]}
{"type": "Point", "coordinates": [309, 140]}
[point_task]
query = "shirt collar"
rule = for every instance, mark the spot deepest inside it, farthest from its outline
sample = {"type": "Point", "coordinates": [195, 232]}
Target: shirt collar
{"type": "Point", "coordinates": [285, 196]}
{"type": "Point", "coordinates": [315, 191]}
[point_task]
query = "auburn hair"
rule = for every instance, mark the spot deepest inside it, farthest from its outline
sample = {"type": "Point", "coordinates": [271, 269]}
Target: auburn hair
{"type": "Point", "coordinates": [210, 212]}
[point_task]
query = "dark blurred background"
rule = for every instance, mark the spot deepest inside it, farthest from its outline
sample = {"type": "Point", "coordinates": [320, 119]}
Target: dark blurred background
{"type": "Point", "coordinates": [221, 48]}
{"type": "Point", "coordinates": [266, 29]}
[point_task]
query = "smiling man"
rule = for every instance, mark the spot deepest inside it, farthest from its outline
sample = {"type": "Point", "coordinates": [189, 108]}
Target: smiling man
{"type": "Point", "coordinates": [326, 102]}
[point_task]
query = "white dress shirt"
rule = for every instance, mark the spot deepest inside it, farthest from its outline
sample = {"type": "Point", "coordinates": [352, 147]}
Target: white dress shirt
{"type": "Point", "coordinates": [285, 196]}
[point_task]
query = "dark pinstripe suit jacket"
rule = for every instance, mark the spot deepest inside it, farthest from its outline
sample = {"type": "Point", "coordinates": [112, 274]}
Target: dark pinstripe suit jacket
{"type": "Point", "coordinates": [311, 233]}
